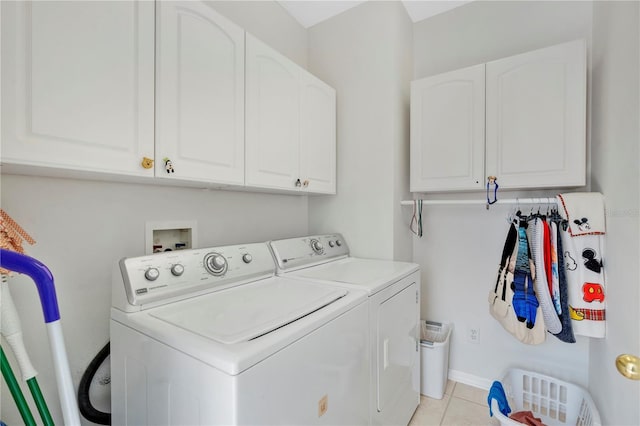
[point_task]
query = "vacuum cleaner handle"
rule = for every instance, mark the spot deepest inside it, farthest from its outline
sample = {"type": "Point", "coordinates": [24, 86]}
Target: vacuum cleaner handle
{"type": "Point", "coordinates": [40, 274]}
{"type": "Point", "coordinates": [43, 279]}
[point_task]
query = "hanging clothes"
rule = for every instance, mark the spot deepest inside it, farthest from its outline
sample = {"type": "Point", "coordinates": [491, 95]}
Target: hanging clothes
{"type": "Point", "coordinates": [525, 302]}
{"type": "Point", "coordinates": [566, 334]}
{"type": "Point", "coordinates": [546, 251]}
{"type": "Point", "coordinates": [583, 243]}
{"type": "Point", "coordinates": [554, 284]}
{"type": "Point", "coordinates": [537, 238]}
{"type": "Point", "coordinates": [512, 300]}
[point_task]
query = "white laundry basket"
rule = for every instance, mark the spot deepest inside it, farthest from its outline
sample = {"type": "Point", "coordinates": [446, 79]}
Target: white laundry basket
{"type": "Point", "coordinates": [554, 401]}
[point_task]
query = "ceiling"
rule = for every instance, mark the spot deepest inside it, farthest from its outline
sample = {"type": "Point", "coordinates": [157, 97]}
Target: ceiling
{"type": "Point", "coordinates": [310, 12]}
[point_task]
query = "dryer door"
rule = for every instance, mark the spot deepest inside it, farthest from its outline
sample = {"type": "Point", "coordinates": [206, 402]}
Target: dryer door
{"type": "Point", "coordinates": [396, 343]}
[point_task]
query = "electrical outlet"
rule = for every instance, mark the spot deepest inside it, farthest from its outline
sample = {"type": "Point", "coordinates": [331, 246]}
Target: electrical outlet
{"type": "Point", "coordinates": [474, 334]}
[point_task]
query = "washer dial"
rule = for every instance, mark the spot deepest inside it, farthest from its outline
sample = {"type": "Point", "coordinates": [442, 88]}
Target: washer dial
{"type": "Point", "coordinates": [152, 274]}
{"type": "Point", "coordinates": [317, 246]}
{"type": "Point", "coordinates": [216, 264]}
{"type": "Point", "coordinates": [177, 269]}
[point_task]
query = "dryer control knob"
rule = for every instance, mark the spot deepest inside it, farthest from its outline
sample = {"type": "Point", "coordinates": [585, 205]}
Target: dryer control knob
{"type": "Point", "coordinates": [152, 274]}
{"type": "Point", "coordinates": [338, 243]}
{"type": "Point", "coordinates": [247, 258]}
{"type": "Point", "coordinates": [177, 269]}
{"type": "Point", "coordinates": [317, 246]}
{"type": "Point", "coordinates": [216, 264]}
{"type": "Point", "coordinates": [331, 244]}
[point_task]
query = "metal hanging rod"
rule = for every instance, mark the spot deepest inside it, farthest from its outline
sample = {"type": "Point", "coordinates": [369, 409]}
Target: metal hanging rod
{"type": "Point", "coordinates": [539, 200]}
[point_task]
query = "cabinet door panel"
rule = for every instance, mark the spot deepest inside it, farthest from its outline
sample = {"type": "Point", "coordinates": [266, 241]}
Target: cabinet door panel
{"type": "Point", "coordinates": [536, 118]}
{"type": "Point", "coordinates": [77, 85]}
{"type": "Point", "coordinates": [272, 118]}
{"type": "Point", "coordinates": [447, 131]}
{"type": "Point", "coordinates": [317, 135]}
{"type": "Point", "coordinates": [200, 94]}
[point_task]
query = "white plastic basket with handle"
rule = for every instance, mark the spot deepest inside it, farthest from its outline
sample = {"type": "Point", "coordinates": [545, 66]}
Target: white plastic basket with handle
{"type": "Point", "coordinates": [554, 401]}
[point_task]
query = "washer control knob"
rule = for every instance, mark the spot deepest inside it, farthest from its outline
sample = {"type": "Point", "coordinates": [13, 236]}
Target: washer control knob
{"type": "Point", "coordinates": [152, 274]}
{"type": "Point", "coordinates": [247, 258]}
{"type": "Point", "coordinates": [216, 264]}
{"type": "Point", "coordinates": [177, 269]}
{"type": "Point", "coordinates": [338, 243]}
{"type": "Point", "coordinates": [317, 246]}
{"type": "Point", "coordinates": [331, 243]}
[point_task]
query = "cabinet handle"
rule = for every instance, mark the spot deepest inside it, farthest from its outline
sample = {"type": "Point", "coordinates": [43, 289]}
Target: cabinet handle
{"type": "Point", "coordinates": [168, 165]}
{"type": "Point", "coordinates": [492, 181]}
{"type": "Point", "coordinates": [147, 162]}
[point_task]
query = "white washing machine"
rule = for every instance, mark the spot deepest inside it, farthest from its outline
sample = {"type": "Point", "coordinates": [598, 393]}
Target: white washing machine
{"type": "Point", "coordinates": [393, 290]}
{"type": "Point", "coordinates": [212, 337]}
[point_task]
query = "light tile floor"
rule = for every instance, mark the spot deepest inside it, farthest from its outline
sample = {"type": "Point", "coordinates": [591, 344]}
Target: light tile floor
{"type": "Point", "coordinates": [462, 405]}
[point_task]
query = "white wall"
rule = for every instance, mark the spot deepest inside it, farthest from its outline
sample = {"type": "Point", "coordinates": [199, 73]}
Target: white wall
{"type": "Point", "coordinates": [269, 22]}
{"type": "Point", "coordinates": [83, 227]}
{"type": "Point", "coordinates": [486, 30]}
{"type": "Point", "coordinates": [365, 54]}
{"type": "Point", "coordinates": [461, 247]}
{"type": "Point", "coordinates": [615, 172]}
{"type": "Point", "coordinates": [403, 63]}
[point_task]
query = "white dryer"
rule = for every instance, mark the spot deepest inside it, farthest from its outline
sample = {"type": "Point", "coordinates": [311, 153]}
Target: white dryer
{"type": "Point", "coordinates": [212, 337]}
{"type": "Point", "coordinates": [393, 290]}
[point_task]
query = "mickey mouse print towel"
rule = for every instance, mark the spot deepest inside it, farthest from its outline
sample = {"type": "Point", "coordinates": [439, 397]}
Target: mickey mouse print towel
{"type": "Point", "coordinates": [583, 242]}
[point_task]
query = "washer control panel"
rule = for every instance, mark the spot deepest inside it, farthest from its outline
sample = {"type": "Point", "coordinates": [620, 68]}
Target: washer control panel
{"type": "Point", "coordinates": [156, 277]}
{"type": "Point", "coordinates": [305, 251]}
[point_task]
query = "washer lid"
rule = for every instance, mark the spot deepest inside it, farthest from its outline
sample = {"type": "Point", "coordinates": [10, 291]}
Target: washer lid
{"type": "Point", "coordinates": [249, 311]}
{"type": "Point", "coordinates": [370, 275]}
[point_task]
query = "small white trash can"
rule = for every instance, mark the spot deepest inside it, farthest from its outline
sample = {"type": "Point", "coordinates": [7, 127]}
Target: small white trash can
{"type": "Point", "coordinates": [434, 355]}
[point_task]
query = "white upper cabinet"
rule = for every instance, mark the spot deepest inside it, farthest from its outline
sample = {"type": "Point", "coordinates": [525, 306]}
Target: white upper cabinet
{"type": "Point", "coordinates": [317, 135]}
{"type": "Point", "coordinates": [77, 85]}
{"type": "Point", "coordinates": [290, 124]}
{"type": "Point", "coordinates": [272, 117]}
{"type": "Point", "coordinates": [199, 94]}
{"type": "Point", "coordinates": [165, 90]}
{"type": "Point", "coordinates": [447, 131]}
{"type": "Point", "coordinates": [521, 119]}
{"type": "Point", "coordinates": [536, 118]}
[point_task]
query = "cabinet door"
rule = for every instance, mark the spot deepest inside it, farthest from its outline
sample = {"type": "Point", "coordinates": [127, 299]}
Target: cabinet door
{"type": "Point", "coordinates": [536, 118]}
{"type": "Point", "coordinates": [199, 94]}
{"type": "Point", "coordinates": [447, 131]}
{"type": "Point", "coordinates": [272, 118]}
{"type": "Point", "coordinates": [77, 85]}
{"type": "Point", "coordinates": [317, 135]}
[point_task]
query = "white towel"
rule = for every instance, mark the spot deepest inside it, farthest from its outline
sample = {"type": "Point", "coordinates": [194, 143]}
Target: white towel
{"type": "Point", "coordinates": [584, 212]}
{"type": "Point", "coordinates": [583, 244]}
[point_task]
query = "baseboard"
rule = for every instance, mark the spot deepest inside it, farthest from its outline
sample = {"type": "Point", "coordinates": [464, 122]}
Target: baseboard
{"type": "Point", "coordinates": [470, 379]}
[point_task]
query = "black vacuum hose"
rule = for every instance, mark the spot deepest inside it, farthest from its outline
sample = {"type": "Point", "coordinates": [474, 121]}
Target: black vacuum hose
{"type": "Point", "coordinates": [84, 402]}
